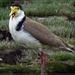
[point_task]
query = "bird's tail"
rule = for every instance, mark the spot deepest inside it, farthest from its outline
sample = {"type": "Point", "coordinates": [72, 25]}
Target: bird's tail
{"type": "Point", "coordinates": [68, 47]}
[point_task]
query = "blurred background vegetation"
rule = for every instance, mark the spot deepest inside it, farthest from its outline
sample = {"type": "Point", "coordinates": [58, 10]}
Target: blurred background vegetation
{"type": "Point", "coordinates": [59, 17]}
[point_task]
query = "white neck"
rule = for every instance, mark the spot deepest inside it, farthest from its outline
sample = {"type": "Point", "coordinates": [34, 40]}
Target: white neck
{"type": "Point", "coordinates": [15, 20]}
{"type": "Point", "coordinates": [18, 16]}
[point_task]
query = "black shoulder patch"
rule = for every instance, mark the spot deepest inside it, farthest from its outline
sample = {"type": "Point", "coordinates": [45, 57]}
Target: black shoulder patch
{"type": "Point", "coordinates": [18, 27]}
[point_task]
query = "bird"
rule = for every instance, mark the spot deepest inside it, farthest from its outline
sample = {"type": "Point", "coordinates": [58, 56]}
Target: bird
{"type": "Point", "coordinates": [28, 32]}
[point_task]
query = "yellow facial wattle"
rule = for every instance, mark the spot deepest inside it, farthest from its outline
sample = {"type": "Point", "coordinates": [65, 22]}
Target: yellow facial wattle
{"type": "Point", "coordinates": [14, 10]}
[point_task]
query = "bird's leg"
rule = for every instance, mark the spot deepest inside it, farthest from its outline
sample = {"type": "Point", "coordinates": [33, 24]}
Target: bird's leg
{"type": "Point", "coordinates": [42, 60]}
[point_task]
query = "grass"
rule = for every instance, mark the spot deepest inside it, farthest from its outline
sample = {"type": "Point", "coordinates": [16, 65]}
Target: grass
{"type": "Point", "coordinates": [4, 13]}
{"type": "Point", "coordinates": [5, 45]}
{"type": "Point", "coordinates": [47, 8]}
{"type": "Point", "coordinates": [59, 67]}
{"type": "Point", "coordinates": [61, 56]}
{"type": "Point", "coordinates": [5, 3]}
{"type": "Point", "coordinates": [4, 24]}
{"type": "Point", "coordinates": [59, 25]}
{"type": "Point", "coordinates": [18, 68]}
{"type": "Point", "coordinates": [56, 63]}
{"type": "Point", "coordinates": [50, 1]}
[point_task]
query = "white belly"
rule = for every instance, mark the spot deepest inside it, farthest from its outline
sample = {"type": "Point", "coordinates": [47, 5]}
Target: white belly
{"type": "Point", "coordinates": [25, 38]}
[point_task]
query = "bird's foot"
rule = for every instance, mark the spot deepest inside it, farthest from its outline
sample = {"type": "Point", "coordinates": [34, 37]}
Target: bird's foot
{"type": "Point", "coordinates": [42, 57]}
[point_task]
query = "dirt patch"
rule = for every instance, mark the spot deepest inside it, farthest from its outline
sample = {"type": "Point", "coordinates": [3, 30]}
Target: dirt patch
{"type": "Point", "coordinates": [5, 35]}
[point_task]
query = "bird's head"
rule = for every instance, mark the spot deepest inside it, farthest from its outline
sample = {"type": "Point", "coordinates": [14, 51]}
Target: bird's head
{"type": "Point", "coordinates": [15, 9]}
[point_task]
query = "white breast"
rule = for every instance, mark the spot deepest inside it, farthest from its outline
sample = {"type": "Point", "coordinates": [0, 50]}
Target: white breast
{"type": "Point", "coordinates": [21, 36]}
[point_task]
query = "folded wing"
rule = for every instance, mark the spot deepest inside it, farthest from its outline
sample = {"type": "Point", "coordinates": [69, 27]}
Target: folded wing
{"type": "Point", "coordinates": [42, 33]}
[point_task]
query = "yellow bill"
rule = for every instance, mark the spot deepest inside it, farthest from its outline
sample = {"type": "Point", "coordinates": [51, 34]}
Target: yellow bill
{"type": "Point", "coordinates": [13, 10]}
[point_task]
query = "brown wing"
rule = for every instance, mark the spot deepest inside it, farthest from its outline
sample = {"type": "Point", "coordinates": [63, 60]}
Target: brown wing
{"type": "Point", "coordinates": [42, 33]}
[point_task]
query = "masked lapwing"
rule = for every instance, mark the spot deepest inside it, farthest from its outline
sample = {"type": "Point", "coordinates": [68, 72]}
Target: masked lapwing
{"type": "Point", "coordinates": [31, 33]}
